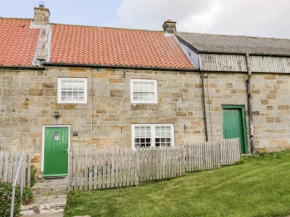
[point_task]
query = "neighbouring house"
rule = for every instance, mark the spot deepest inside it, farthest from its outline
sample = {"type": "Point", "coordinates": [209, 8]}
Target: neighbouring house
{"type": "Point", "coordinates": [74, 87]}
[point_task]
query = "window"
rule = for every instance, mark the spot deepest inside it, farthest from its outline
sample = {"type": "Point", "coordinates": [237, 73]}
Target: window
{"type": "Point", "coordinates": [143, 91]}
{"type": "Point", "coordinates": [72, 90]}
{"type": "Point", "coordinates": [152, 135]}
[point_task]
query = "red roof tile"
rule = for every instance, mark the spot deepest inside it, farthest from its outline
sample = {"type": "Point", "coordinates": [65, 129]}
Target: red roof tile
{"type": "Point", "coordinates": [115, 47]}
{"type": "Point", "coordinates": [18, 42]}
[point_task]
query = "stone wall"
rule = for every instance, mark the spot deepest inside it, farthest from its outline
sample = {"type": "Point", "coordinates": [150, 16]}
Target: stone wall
{"type": "Point", "coordinates": [270, 102]}
{"type": "Point", "coordinates": [28, 100]}
{"type": "Point", "coordinates": [223, 89]}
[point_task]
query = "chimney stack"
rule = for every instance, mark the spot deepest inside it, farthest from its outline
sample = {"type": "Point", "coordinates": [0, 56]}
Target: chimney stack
{"type": "Point", "coordinates": [41, 15]}
{"type": "Point", "coordinates": [169, 27]}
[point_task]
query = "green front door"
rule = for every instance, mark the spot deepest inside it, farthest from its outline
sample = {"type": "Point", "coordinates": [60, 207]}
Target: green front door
{"type": "Point", "coordinates": [56, 141]}
{"type": "Point", "coordinates": [234, 125]}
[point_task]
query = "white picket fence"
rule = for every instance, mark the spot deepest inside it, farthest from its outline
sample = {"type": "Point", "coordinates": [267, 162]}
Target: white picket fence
{"type": "Point", "coordinates": [210, 155]}
{"type": "Point", "coordinates": [160, 163]}
{"type": "Point", "coordinates": [230, 151]}
{"type": "Point", "coordinates": [9, 162]}
{"type": "Point", "coordinates": [100, 169]}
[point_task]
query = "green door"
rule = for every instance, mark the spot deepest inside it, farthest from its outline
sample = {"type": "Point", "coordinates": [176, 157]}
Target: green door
{"type": "Point", "coordinates": [234, 125]}
{"type": "Point", "coordinates": [56, 141]}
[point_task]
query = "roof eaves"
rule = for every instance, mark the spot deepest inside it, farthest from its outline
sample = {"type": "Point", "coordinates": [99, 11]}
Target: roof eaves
{"type": "Point", "coordinates": [22, 67]}
{"type": "Point", "coordinates": [118, 66]}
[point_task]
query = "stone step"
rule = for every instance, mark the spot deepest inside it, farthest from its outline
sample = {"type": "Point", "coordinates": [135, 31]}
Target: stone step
{"type": "Point", "coordinates": [43, 205]}
{"type": "Point", "coordinates": [50, 187]}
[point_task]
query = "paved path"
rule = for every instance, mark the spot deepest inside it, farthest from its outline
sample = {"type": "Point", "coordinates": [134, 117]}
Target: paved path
{"type": "Point", "coordinates": [45, 205]}
{"type": "Point", "coordinates": [55, 214]}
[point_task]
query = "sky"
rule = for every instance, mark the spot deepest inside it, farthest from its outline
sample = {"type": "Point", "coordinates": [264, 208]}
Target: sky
{"type": "Point", "coordinates": [265, 18]}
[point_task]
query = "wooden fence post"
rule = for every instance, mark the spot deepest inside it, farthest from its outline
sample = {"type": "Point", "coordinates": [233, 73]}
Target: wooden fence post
{"type": "Point", "coordinates": [183, 158]}
{"type": "Point", "coordinates": [70, 157]}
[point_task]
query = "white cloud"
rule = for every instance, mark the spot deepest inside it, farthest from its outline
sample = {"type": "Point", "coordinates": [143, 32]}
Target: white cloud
{"type": "Point", "coordinates": [267, 18]}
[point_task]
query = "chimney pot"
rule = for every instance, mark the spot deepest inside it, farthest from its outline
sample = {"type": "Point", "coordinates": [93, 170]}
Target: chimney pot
{"type": "Point", "coordinates": [169, 26]}
{"type": "Point", "coordinates": [41, 4]}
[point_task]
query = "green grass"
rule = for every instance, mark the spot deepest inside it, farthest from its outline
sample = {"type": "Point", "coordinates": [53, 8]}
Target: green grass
{"type": "Point", "coordinates": [256, 186]}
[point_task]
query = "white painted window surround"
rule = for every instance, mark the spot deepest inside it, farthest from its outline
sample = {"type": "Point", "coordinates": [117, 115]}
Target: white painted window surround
{"type": "Point", "coordinates": [72, 90]}
{"type": "Point", "coordinates": [143, 91]}
{"type": "Point", "coordinates": [152, 135]}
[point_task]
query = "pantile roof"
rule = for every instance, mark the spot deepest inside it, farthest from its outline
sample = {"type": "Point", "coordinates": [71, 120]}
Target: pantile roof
{"type": "Point", "coordinates": [18, 42]}
{"type": "Point", "coordinates": [72, 44]}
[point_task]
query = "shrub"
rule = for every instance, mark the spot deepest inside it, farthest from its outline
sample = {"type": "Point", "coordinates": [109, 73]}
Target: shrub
{"type": "Point", "coordinates": [27, 196]}
{"type": "Point", "coordinates": [6, 199]}
{"type": "Point", "coordinates": [33, 176]}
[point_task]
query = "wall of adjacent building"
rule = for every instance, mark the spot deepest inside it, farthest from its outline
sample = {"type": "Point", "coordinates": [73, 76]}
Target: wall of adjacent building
{"type": "Point", "coordinates": [270, 102]}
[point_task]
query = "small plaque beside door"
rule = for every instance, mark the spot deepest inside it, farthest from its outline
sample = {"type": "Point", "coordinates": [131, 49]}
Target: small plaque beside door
{"type": "Point", "coordinates": [56, 136]}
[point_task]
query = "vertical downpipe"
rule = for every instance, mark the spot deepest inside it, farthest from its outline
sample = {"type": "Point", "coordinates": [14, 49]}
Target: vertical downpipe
{"type": "Point", "coordinates": [92, 110]}
{"type": "Point", "coordinates": [203, 100]}
{"type": "Point", "coordinates": [248, 84]}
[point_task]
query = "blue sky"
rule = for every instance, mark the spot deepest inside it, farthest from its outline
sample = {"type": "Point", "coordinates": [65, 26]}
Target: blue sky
{"type": "Point", "coordinates": [86, 12]}
{"type": "Point", "coordinates": [266, 18]}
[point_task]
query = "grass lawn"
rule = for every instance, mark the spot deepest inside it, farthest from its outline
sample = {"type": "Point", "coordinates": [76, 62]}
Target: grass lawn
{"type": "Point", "coordinates": [256, 186]}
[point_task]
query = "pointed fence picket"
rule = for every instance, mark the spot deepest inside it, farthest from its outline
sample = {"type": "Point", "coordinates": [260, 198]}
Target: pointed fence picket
{"type": "Point", "coordinates": [160, 163]}
{"type": "Point", "coordinates": [103, 169]}
{"type": "Point", "coordinates": [9, 162]}
{"type": "Point", "coordinates": [210, 155]}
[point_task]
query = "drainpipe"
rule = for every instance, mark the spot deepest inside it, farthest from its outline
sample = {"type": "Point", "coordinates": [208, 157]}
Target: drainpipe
{"type": "Point", "coordinates": [250, 112]}
{"type": "Point", "coordinates": [203, 100]}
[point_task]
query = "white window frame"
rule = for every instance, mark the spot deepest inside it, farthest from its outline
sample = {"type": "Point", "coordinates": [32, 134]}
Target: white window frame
{"type": "Point", "coordinates": [144, 102]}
{"type": "Point", "coordinates": [59, 81]}
{"type": "Point", "coordinates": [152, 128]}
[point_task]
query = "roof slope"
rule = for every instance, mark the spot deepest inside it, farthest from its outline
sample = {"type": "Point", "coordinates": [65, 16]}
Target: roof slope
{"type": "Point", "coordinates": [236, 44]}
{"type": "Point", "coordinates": [18, 42]}
{"type": "Point", "coordinates": [115, 47]}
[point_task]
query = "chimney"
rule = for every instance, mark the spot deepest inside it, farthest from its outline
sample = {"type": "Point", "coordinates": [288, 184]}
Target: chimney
{"type": "Point", "coordinates": [41, 15]}
{"type": "Point", "coordinates": [169, 27]}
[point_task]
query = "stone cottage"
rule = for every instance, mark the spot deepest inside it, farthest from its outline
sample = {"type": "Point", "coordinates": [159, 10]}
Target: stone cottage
{"type": "Point", "coordinates": [72, 87]}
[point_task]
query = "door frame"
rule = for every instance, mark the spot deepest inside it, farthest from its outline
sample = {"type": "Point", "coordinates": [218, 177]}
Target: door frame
{"type": "Point", "coordinates": [43, 139]}
{"type": "Point", "coordinates": [242, 108]}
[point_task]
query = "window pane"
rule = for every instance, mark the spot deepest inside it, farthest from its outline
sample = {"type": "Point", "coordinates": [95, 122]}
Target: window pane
{"type": "Point", "coordinates": [151, 86]}
{"type": "Point", "coordinates": [69, 85]}
{"type": "Point", "coordinates": [140, 86]}
{"type": "Point", "coordinates": [142, 136]}
{"type": "Point", "coordinates": [135, 86]}
{"type": "Point", "coordinates": [163, 136]}
{"type": "Point", "coordinates": [81, 85]}
{"type": "Point", "coordinates": [63, 85]}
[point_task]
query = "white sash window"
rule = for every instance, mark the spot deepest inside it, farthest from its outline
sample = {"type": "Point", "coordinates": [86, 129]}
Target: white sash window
{"type": "Point", "coordinates": [152, 135]}
{"type": "Point", "coordinates": [72, 90]}
{"type": "Point", "coordinates": [143, 91]}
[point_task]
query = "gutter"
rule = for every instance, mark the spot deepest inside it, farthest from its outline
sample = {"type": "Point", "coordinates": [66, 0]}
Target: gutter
{"type": "Point", "coordinates": [22, 67]}
{"type": "Point", "coordinates": [118, 67]}
{"type": "Point", "coordinates": [249, 97]}
{"type": "Point", "coordinates": [243, 54]}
